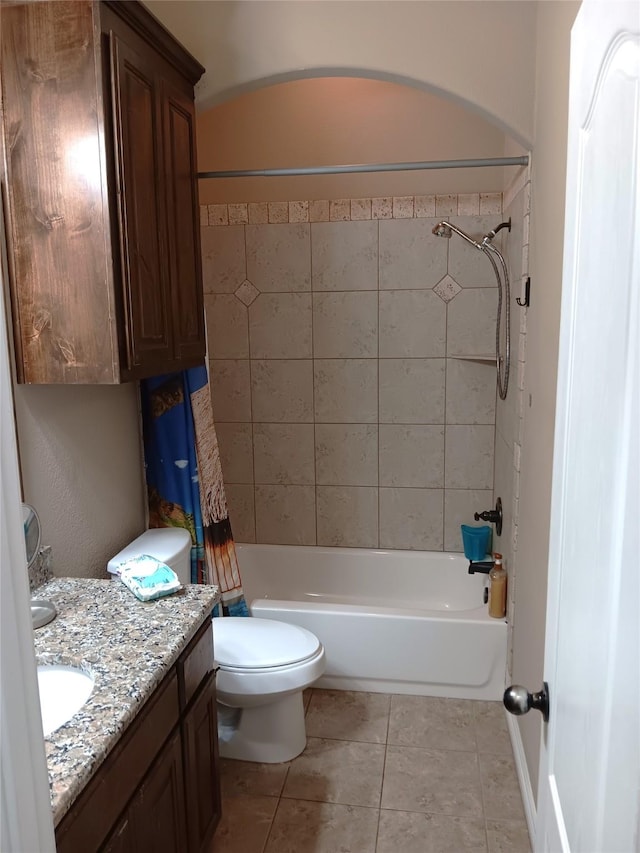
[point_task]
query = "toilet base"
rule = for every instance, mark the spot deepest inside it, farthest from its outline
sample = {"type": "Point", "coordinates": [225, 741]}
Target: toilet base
{"type": "Point", "coordinates": [269, 734]}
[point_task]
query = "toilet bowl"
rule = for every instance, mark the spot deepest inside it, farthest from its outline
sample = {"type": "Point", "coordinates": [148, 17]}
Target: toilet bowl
{"type": "Point", "coordinates": [264, 666]}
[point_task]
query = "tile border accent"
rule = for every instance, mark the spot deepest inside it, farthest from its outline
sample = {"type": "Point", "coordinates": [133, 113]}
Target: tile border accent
{"type": "Point", "coordinates": [351, 210]}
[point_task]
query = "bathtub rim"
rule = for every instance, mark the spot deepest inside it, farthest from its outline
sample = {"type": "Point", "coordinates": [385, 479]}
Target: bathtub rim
{"type": "Point", "coordinates": [477, 615]}
{"type": "Point", "coordinates": [413, 554]}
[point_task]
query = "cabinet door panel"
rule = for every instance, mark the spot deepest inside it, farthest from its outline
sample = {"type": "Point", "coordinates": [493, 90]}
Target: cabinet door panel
{"type": "Point", "coordinates": [57, 208]}
{"type": "Point", "coordinates": [200, 735]}
{"type": "Point", "coordinates": [183, 225]}
{"type": "Point", "coordinates": [159, 811]}
{"type": "Point", "coordinates": [137, 127]}
{"type": "Point", "coordinates": [123, 839]}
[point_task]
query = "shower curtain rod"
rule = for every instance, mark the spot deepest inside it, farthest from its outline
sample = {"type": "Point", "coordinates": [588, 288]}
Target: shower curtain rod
{"type": "Point", "coordinates": [368, 167]}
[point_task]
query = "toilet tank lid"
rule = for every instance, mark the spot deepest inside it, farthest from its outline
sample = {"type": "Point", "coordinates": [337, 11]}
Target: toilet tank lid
{"type": "Point", "coordinates": [164, 543]}
{"type": "Point", "coordinates": [241, 641]}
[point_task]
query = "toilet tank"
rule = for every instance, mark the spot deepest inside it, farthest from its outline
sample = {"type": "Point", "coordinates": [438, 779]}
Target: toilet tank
{"type": "Point", "coordinates": [172, 545]}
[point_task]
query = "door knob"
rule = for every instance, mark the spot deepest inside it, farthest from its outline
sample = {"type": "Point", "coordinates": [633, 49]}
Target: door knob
{"type": "Point", "coordinates": [517, 700]}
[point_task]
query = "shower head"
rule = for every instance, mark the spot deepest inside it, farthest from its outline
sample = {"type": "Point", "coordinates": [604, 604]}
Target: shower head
{"type": "Point", "coordinates": [443, 229]}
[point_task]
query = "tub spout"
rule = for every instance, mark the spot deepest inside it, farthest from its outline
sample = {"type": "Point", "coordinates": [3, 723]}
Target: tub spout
{"type": "Point", "coordinates": [484, 567]}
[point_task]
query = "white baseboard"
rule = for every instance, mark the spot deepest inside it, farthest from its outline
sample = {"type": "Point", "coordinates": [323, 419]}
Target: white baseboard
{"type": "Point", "coordinates": [523, 776]}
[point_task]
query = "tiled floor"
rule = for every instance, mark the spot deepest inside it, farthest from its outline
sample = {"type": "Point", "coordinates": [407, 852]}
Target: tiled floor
{"type": "Point", "coordinates": [381, 774]}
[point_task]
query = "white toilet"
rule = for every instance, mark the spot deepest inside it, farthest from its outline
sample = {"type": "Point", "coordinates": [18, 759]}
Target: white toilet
{"type": "Point", "coordinates": [264, 666]}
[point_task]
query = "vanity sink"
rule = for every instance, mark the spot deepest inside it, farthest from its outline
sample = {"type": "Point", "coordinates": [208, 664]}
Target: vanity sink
{"type": "Point", "coordinates": [63, 691]}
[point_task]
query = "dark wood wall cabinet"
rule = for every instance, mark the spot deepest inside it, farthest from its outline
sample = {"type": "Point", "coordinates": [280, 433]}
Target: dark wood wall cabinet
{"type": "Point", "coordinates": [158, 790]}
{"type": "Point", "coordinates": [101, 193]}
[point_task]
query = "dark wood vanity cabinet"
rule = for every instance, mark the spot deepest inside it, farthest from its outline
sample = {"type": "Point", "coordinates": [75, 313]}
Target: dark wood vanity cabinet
{"type": "Point", "coordinates": [200, 739]}
{"type": "Point", "coordinates": [101, 193]}
{"type": "Point", "coordinates": [158, 790]}
{"type": "Point", "coordinates": [156, 819]}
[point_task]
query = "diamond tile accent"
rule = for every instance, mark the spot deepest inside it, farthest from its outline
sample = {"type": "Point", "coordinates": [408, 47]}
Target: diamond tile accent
{"type": "Point", "coordinates": [447, 288]}
{"type": "Point", "coordinates": [247, 293]}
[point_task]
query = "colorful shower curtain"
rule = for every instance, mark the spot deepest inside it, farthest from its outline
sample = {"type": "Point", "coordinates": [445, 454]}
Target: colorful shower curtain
{"type": "Point", "coordinates": [184, 478]}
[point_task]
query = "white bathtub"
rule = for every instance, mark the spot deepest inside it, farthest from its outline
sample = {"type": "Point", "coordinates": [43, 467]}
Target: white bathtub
{"type": "Point", "coordinates": [390, 621]}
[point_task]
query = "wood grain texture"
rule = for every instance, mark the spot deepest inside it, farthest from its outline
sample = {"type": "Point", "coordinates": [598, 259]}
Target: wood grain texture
{"type": "Point", "coordinates": [183, 225]}
{"type": "Point", "coordinates": [195, 665]}
{"type": "Point", "coordinates": [159, 811]}
{"type": "Point", "coordinates": [58, 230]}
{"type": "Point", "coordinates": [200, 740]}
{"type": "Point", "coordinates": [148, 27]}
{"type": "Point", "coordinates": [137, 104]}
{"type": "Point", "coordinates": [101, 191]}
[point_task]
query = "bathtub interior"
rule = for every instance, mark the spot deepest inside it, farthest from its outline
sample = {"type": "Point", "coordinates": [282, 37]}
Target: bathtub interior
{"type": "Point", "coordinates": [380, 634]}
{"type": "Point", "coordinates": [408, 580]}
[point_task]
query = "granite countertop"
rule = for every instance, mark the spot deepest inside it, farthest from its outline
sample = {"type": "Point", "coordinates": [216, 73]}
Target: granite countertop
{"type": "Point", "coordinates": [128, 646]}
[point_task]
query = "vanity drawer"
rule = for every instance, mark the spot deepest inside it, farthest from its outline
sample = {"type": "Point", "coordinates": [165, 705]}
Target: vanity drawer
{"type": "Point", "coordinates": [96, 810]}
{"type": "Point", "coordinates": [195, 664]}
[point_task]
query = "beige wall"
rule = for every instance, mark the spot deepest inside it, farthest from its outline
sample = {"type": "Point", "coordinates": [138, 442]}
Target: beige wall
{"type": "Point", "coordinates": [481, 53]}
{"type": "Point", "coordinates": [335, 120]}
{"type": "Point", "coordinates": [547, 220]}
{"type": "Point", "coordinates": [82, 471]}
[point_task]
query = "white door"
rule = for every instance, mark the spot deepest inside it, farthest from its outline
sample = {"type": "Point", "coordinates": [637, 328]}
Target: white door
{"type": "Point", "coordinates": [589, 794]}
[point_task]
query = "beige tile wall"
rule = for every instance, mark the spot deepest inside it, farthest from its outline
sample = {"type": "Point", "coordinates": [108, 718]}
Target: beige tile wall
{"type": "Point", "coordinates": [346, 413]}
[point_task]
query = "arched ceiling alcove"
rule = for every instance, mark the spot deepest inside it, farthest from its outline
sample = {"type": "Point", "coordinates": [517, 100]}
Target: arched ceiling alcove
{"type": "Point", "coordinates": [338, 120]}
{"type": "Point", "coordinates": [481, 54]}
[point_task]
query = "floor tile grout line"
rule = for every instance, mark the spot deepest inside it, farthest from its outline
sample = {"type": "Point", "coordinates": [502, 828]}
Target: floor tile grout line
{"type": "Point", "coordinates": [267, 836]}
{"type": "Point", "coordinates": [482, 797]}
{"type": "Point", "coordinates": [475, 709]}
{"type": "Point", "coordinates": [331, 803]}
{"type": "Point", "coordinates": [384, 770]}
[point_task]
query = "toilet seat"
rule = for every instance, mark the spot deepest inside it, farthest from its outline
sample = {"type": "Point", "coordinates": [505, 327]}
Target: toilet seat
{"type": "Point", "coordinates": [261, 659]}
{"type": "Point", "coordinates": [251, 644]}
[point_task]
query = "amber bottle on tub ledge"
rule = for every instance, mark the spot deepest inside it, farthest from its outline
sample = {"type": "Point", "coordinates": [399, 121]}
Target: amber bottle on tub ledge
{"type": "Point", "coordinates": [497, 589]}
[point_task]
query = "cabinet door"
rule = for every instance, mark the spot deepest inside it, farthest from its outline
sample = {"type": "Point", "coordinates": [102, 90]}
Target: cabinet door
{"type": "Point", "coordinates": [123, 838]}
{"type": "Point", "coordinates": [58, 227]}
{"type": "Point", "coordinates": [158, 812]}
{"type": "Point", "coordinates": [200, 738]}
{"type": "Point", "coordinates": [183, 227]}
{"type": "Point", "coordinates": [140, 187]}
